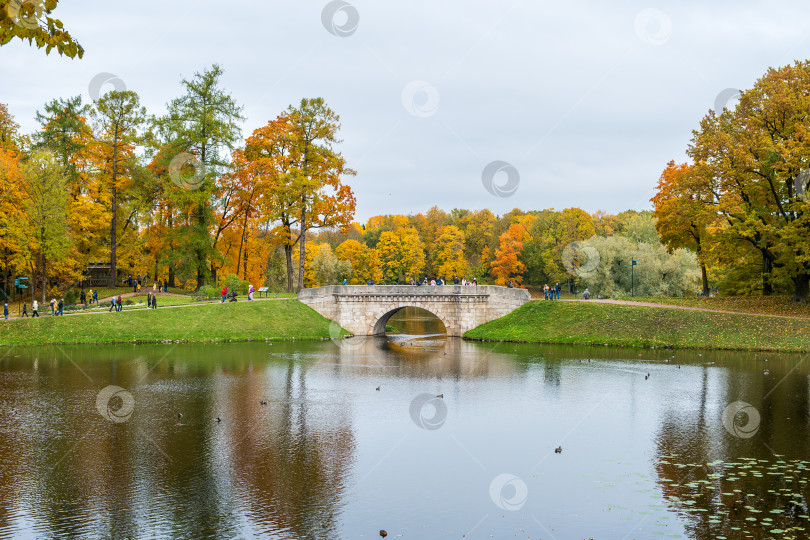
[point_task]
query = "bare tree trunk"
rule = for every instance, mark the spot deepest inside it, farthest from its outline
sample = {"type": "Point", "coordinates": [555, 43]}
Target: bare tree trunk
{"type": "Point", "coordinates": [705, 278]}
{"type": "Point", "coordinates": [767, 267]}
{"type": "Point", "coordinates": [288, 257]}
{"type": "Point", "coordinates": [113, 238]}
{"type": "Point", "coordinates": [303, 241]}
{"type": "Point", "coordinates": [801, 288]}
{"type": "Point", "coordinates": [42, 263]}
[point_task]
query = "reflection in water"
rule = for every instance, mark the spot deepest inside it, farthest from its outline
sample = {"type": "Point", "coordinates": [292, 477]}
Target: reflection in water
{"type": "Point", "coordinates": [330, 456]}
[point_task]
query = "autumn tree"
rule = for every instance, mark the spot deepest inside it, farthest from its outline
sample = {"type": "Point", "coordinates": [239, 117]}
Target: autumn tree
{"type": "Point", "coordinates": [363, 259]}
{"type": "Point", "coordinates": [323, 199]}
{"type": "Point", "coordinates": [401, 254]}
{"type": "Point", "coordinates": [8, 130]}
{"type": "Point", "coordinates": [203, 127]}
{"type": "Point", "coordinates": [44, 232]}
{"type": "Point", "coordinates": [118, 116]}
{"type": "Point", "coordinates": [756, 155]}
{"type": "Point", "coordinates": [682, 210]}
{"type": "Point", "coordinates": [507, 265]}
{"type": "Point", "coordinates": [329, 269]}
{"type": "Point", "coordinates": [448, 255]}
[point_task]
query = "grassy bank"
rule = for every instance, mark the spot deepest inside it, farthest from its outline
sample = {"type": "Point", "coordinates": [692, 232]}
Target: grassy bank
{"type": "Point", "coordinates": [239, 321]}
{"type": "Point", "coordinates": [771, 305]}
{"type": "Point", "coordinates": [633, 326]}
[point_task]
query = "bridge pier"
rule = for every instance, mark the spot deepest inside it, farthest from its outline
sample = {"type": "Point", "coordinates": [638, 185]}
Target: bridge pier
{"type": "Point", "coordinates": [363, 310]}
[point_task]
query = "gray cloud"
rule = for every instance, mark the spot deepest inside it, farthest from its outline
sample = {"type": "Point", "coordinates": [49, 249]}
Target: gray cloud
{"type": "Point", "coordinates": [587, 111]}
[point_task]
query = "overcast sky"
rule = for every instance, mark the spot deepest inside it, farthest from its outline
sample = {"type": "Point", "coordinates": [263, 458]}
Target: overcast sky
{"type": "Point", "coordinates": [585, 100]}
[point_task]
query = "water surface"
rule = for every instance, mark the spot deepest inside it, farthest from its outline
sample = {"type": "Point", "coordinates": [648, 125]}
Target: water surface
{"type": "Point", "coordinates": [330, 456]}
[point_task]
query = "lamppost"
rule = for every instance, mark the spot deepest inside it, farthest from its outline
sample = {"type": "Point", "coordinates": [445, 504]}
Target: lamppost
{"type": "Point", "coordinates": [632, 266]}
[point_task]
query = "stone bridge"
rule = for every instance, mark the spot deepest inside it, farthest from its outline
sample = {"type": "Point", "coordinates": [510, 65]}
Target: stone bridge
{"type": "Point", "coordinates": [364, 310]}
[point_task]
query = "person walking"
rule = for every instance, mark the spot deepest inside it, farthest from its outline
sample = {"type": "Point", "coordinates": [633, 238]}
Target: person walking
{"type": "Point", "coordinates": [61, 305]}
{"type": "Point", "coordinates": [557, 289]}
{"type": "Point", "coordinates": [53, 306]}
{"type": "Point", "coordinates": [154, 301]}
{"type": "Point", "coordinates": [35, 309]}
{"type": "Point", "coordinates": [95, 296]}
{"type": "Point", "coordinates": [545, 291]}
{"type": "Point", "coordinates": [120, 304]}
{"type": "Point", "coordinates": [5, 310]}
{"type": "Point", "coordinates": [224, 293]}
{"type": "Point", "coordinates": [25, 310]}
{"type": "Point", "coordinates": [112, 305]}
{"type": "Point", "coordinates": [149, 299]}
{"type": "Point", "coordinates": [83, 297]}
{"type": "Point", "coordinates": [250, 290]}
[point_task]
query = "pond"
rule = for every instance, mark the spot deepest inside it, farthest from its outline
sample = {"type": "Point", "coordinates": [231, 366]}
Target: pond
{"type": "Point", "coordinates": [343, 439]}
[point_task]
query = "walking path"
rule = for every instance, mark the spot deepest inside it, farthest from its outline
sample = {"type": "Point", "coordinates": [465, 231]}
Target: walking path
{"type": "Point", "coordinates": [105, 310]}
{"type": "Point", "coordinates": [672, 306]}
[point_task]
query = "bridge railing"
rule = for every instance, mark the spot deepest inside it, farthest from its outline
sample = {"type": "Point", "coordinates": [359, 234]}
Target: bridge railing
{"type": "Point", "coordinates": [351, 290]}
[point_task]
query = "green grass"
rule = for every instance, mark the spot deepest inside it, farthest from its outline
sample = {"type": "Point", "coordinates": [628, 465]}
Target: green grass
{"type": "Point", "coordinates": [635, 326]}
{"type": "Point", "coordinates": [240, 321]}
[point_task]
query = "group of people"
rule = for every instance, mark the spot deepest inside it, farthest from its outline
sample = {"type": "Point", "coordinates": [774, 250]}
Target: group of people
{"type": "Point", "coordinates": [116, 304]}
{"type": "Point", "coordinates": [92, 295]}
{"type": "Point", "coordinates": [136, 282]}
{"type": "Point", "coordinates": [553, 292]}
{"type": "Point", "coordinates": [34, 310]}
{"type": "Point", "coordinates": [232, 295]}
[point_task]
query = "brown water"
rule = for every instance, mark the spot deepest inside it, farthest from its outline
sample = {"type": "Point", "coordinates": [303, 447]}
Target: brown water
{"type": "Point", "coordinates": [329, 456]}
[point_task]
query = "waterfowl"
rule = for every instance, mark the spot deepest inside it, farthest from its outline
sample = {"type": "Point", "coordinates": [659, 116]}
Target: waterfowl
{"type": "Point", "coordinates": [440, 395]}
{"type": "Point", "coordinates": [219, 419]}
{"type": "Point", "coordinates": [558, 450]}
{"type": "Point", "coordinates": [377, 389]}
{"type": "Point", "coordinates": [262, 402]}
{"type": "Point", "coordinates": [179, 415]}
{"type": "Point", "coordinates": [383, 533]}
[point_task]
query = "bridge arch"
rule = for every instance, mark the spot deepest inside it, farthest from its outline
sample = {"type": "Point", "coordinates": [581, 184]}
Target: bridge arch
{"type": "Point", "coordinates": [384, 315]}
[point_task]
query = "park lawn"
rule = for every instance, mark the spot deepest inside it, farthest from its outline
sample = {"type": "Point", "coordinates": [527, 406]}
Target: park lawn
{"type": "Point", "coordinates": [636, 326]}
{"type": "Point", "coordinates": [239, 321]}
{"type": "Point", "coordinates": [770, 305]}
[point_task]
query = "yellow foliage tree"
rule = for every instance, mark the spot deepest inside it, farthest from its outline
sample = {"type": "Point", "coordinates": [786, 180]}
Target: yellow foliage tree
{"type": "Point", "coordinates": [365, 263]}
{"type": "Point", "coordinates": [448, 258]}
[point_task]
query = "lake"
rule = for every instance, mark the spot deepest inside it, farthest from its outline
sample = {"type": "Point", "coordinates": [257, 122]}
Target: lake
{"type": "Point", "coordinates": [353, 439]}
